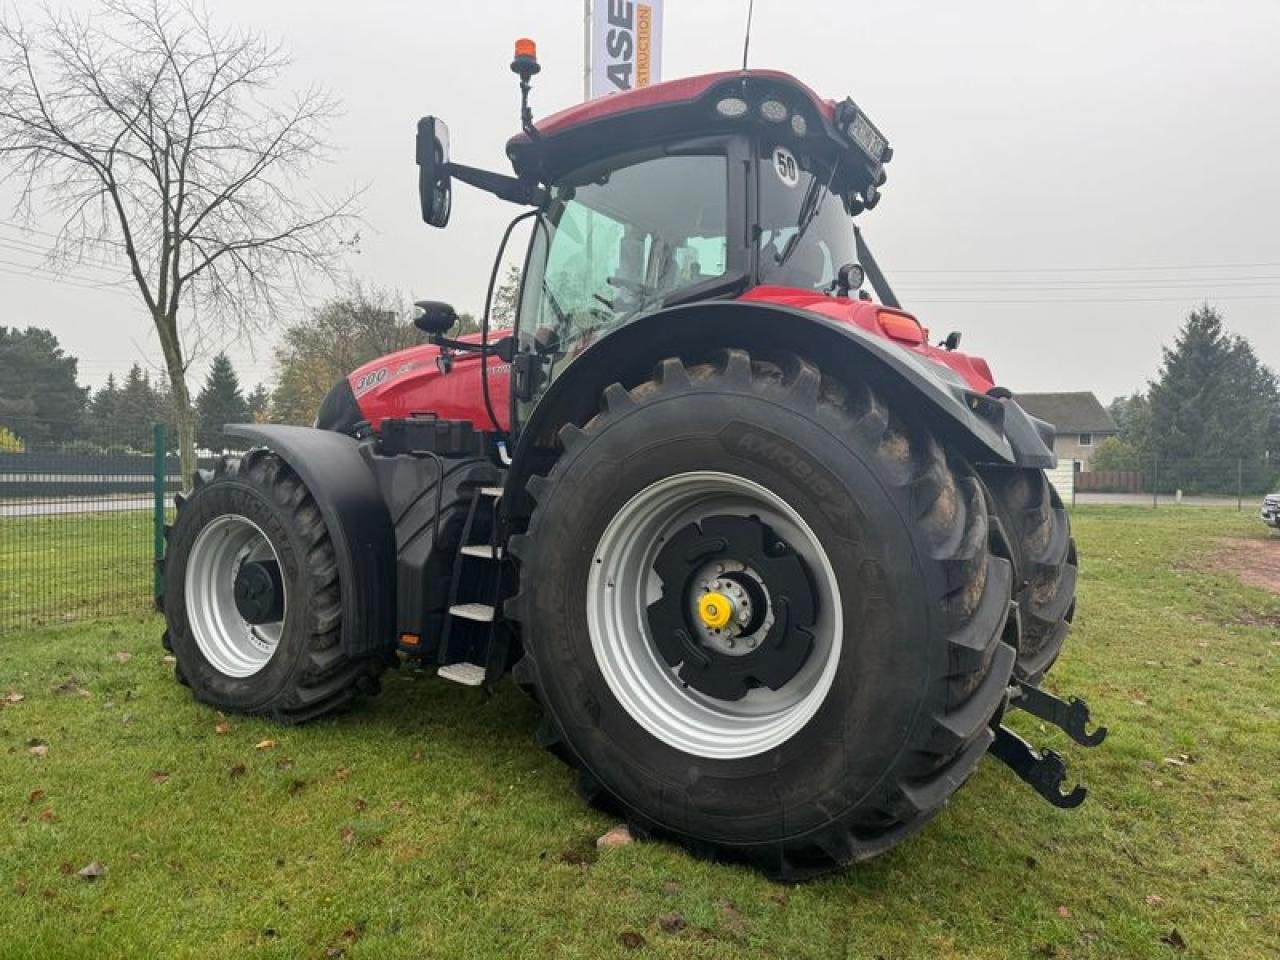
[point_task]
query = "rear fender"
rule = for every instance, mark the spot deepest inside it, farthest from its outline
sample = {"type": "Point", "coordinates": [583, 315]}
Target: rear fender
{"type": "Point", "coordinates": [347, 494]}
{"type": "Point", "coordinates": [984, 428]}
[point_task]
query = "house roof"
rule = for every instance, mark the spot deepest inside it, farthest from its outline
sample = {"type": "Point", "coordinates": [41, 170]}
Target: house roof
{"type": "Point", "coordinates": [1069, 412]}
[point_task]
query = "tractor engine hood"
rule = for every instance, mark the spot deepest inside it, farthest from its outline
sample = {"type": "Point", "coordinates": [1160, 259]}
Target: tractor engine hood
{"type": "Point", "coordinates": [425, 380]}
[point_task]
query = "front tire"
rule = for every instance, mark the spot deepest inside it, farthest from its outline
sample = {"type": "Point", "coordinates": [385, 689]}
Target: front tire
{"type": "Point", "coordinates": [1044, 564]}
{"type": "Point", "coordinates": [794, 768]}
{"type": "Point", "coordinates": [269, 644]}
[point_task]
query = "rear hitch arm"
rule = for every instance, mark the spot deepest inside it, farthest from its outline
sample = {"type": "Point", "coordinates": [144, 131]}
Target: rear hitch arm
{"type": "Point", "coordinates": [1043, 771]}
{"type": "Point", "coordinates": [1069, 716]}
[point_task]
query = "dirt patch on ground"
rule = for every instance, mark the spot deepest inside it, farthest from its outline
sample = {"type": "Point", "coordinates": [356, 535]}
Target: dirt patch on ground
{"type": "Point", "coordinates": [1255, 561]}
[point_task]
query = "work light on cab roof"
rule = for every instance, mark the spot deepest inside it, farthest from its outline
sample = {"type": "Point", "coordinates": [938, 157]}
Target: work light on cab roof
{"type": "Point", "coordinates": [774, 564]}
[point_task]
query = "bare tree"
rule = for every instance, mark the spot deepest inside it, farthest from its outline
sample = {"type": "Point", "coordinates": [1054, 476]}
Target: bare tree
{"type": "Point", "coordinates": [153, 134]}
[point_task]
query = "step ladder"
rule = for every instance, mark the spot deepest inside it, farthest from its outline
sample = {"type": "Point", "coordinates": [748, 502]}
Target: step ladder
{"type": "Point", "coordinates": [474, 644]}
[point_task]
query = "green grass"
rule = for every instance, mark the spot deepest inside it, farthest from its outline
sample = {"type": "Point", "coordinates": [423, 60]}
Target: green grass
{"type": "Point", "coordinates": [59, 569]}
{"type": "Point", "coordinates": [426, 824]}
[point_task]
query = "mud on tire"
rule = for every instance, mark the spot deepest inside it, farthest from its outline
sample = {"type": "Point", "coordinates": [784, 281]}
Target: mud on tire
{"type": "Point", "coordinates": [308, 674]}
{"type": "Point", "coordinates": [923, 580]}
{"type": "Point", "coordinates": [1044, 563]}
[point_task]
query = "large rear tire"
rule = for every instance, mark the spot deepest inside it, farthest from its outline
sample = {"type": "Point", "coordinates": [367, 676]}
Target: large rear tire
{"type": "Point", "coordinates": [795, 765]}
{"type": "Point", "coordinates": [286, 660]}
{"type": "Point", "coordinates": [1044, 564]}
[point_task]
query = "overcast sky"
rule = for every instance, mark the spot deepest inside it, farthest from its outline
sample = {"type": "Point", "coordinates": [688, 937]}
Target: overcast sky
{"type": "Point", "coordinates": [1069, 179]}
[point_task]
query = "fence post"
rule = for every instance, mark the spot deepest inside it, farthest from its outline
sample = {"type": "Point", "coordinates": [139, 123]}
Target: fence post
{"type": "Point", "coordinates": [159, 471]}
{"type": "Point", "coordinates": [1239, 484]}
{"type": "Point", "coordinates": [1155, 481]}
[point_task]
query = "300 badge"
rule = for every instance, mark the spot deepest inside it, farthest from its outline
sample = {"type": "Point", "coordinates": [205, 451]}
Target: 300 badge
{"type": "Point", "coordinates": [370, 380]}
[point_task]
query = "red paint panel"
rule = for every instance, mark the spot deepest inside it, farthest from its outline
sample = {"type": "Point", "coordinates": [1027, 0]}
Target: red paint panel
{"type": "Point", "coordinates": [863, 313]}
{"type": "Point", "coordinates": [410, 382]}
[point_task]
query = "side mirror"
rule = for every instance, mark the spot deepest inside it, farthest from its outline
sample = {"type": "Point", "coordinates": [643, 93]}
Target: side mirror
{"type": "Point", "coordinates": [435, 189]}
{"type": "Point", "coordinates": [952, 341]}
{"type": "Point", "coordinates": [436, 318]}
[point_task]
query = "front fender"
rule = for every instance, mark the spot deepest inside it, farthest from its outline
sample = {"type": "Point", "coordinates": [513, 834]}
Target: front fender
{"type": "Point", "coordinates": [986, 429]}
{"type": "Point", "coordinates": [334, 471]}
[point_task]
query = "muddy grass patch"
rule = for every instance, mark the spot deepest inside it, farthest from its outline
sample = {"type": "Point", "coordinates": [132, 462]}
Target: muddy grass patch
{"type": "Point", "coordinates": [1256, 561]}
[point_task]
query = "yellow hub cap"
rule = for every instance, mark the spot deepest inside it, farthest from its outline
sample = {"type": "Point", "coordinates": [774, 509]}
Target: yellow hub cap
{"type": "Point", "coordinates": [715, 609]}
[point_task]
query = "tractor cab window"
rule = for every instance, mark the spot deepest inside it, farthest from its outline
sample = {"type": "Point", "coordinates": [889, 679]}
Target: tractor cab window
{"type": "Point", "coordinates": [793, 192]}
{"type": "Point", "coordinates": [616, 244]}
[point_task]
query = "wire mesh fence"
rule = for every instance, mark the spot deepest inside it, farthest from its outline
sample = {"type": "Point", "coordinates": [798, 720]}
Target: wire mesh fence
{"type": "Point", "coordinates": [78, 521]}
{"type": "Point", "coordinates": [1239, 482]}
{"type": "Point", "coordinates": [82, 512]}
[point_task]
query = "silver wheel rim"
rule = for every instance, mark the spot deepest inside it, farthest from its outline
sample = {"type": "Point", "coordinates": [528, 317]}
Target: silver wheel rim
{"type": "Point", "coordinates": [232, 645]}
{"type": "Point", "coordinates": [622, 584]}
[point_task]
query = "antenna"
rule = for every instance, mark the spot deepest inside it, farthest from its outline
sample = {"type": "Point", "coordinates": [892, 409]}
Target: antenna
{"type": "Point", "coordinates": [746, 43]}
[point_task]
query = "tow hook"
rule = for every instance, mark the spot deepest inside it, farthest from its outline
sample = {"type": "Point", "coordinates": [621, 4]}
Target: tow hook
{"type": "Point", "coordinates": [1045, 770]}
{"type": "Point", "coordinates": [1069, 716]}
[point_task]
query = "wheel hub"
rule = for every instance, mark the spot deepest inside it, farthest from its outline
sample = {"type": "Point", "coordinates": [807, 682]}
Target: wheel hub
{"type": "Point", "coordinates": [747, 625]}
{"type": "Point", "coordinates": [747, 601]}
{"type": "Point", "coordinates": [259, 592]}
{"type": "Point", "coordinates": [647, 633]}
{"type": "Point", "coordinates": [716, 609]}
{"type": "Point", "coordinates": [237, 601]}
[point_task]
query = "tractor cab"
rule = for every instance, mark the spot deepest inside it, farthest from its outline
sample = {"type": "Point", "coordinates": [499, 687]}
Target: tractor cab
{"type": "Point", "coordinates": [671, 223]}
{"type": "Point", "coordinates": [693, 190]}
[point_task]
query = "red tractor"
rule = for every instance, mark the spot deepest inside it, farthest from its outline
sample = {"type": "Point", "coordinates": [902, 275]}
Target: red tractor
{"type": "Point", "coordinates": [773, 564]}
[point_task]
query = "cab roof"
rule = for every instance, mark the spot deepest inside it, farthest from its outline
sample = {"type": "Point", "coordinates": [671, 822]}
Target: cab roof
{"type": "Point", "coordinates": [688, 107]}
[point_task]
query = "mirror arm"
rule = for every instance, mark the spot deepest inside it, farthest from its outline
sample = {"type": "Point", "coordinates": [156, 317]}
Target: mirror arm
{"type": "Point", "coordinates": [500, 185]}
{"type": "Point", "coordinates": [502, 349]}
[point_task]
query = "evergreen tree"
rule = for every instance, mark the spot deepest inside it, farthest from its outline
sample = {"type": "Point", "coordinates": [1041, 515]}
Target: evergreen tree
{"type": "Point", "coordinates": [40, 400]}
{"type": "Point", "coordinates": [505, 300]}
{"type": "Point", "coordinates": [100, 415]}
{"type": "Point", "coordinates": [259, 403]}
{"type": "Point", "coordinates": [220, 402]}
{"type": "Point", "coordinates": [1213, 398]}
{"type": "Point", "coordinates": [138, 407]}
{"type": "Point", "coordinates": [1209, 419]}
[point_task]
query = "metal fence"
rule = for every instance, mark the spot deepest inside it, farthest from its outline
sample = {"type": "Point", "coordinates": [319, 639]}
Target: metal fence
{"type": "Point", "coordinates": [82, 516]}
{"type": "Point", "coordinates": [81, 522]}
{"type": "Point", "coordinates": [1239, 482]}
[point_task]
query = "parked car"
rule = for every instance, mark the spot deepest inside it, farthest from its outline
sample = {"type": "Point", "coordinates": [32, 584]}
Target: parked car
{"type": "Point", "coordinates": [1271, 510]}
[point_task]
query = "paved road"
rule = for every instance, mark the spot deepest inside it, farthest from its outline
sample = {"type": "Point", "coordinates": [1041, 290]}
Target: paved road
{"type": "Point", "coordinates": [77, 505]}
{"type": "Point", "coordinates": [1144, 500]}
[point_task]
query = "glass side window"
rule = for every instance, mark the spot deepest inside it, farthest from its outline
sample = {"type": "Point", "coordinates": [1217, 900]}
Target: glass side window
{"type": "Point", "coordinates": [620, 244]}
{"type": "Point", "coordinates": [791, 190]}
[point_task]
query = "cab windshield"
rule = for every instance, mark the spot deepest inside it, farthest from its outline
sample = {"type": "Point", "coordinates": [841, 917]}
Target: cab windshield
{"type": "Point", "coordinates": [615, 244]}
{"type": "Point", "coordinates": [791, 192]}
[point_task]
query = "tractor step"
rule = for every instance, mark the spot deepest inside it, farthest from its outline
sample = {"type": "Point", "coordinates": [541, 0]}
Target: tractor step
{"type": "Point", "coordinates": [483, 551]}
{"type": "Point", "coordinates": [475, 643]}
{"type": "Point", "coordinates": [467, 674]}
{"type": "Point", "coordinates": [479, 612]}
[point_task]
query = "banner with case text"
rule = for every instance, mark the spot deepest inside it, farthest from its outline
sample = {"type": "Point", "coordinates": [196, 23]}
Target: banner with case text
{"type": "Point", "coordinates": [626, 45]}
